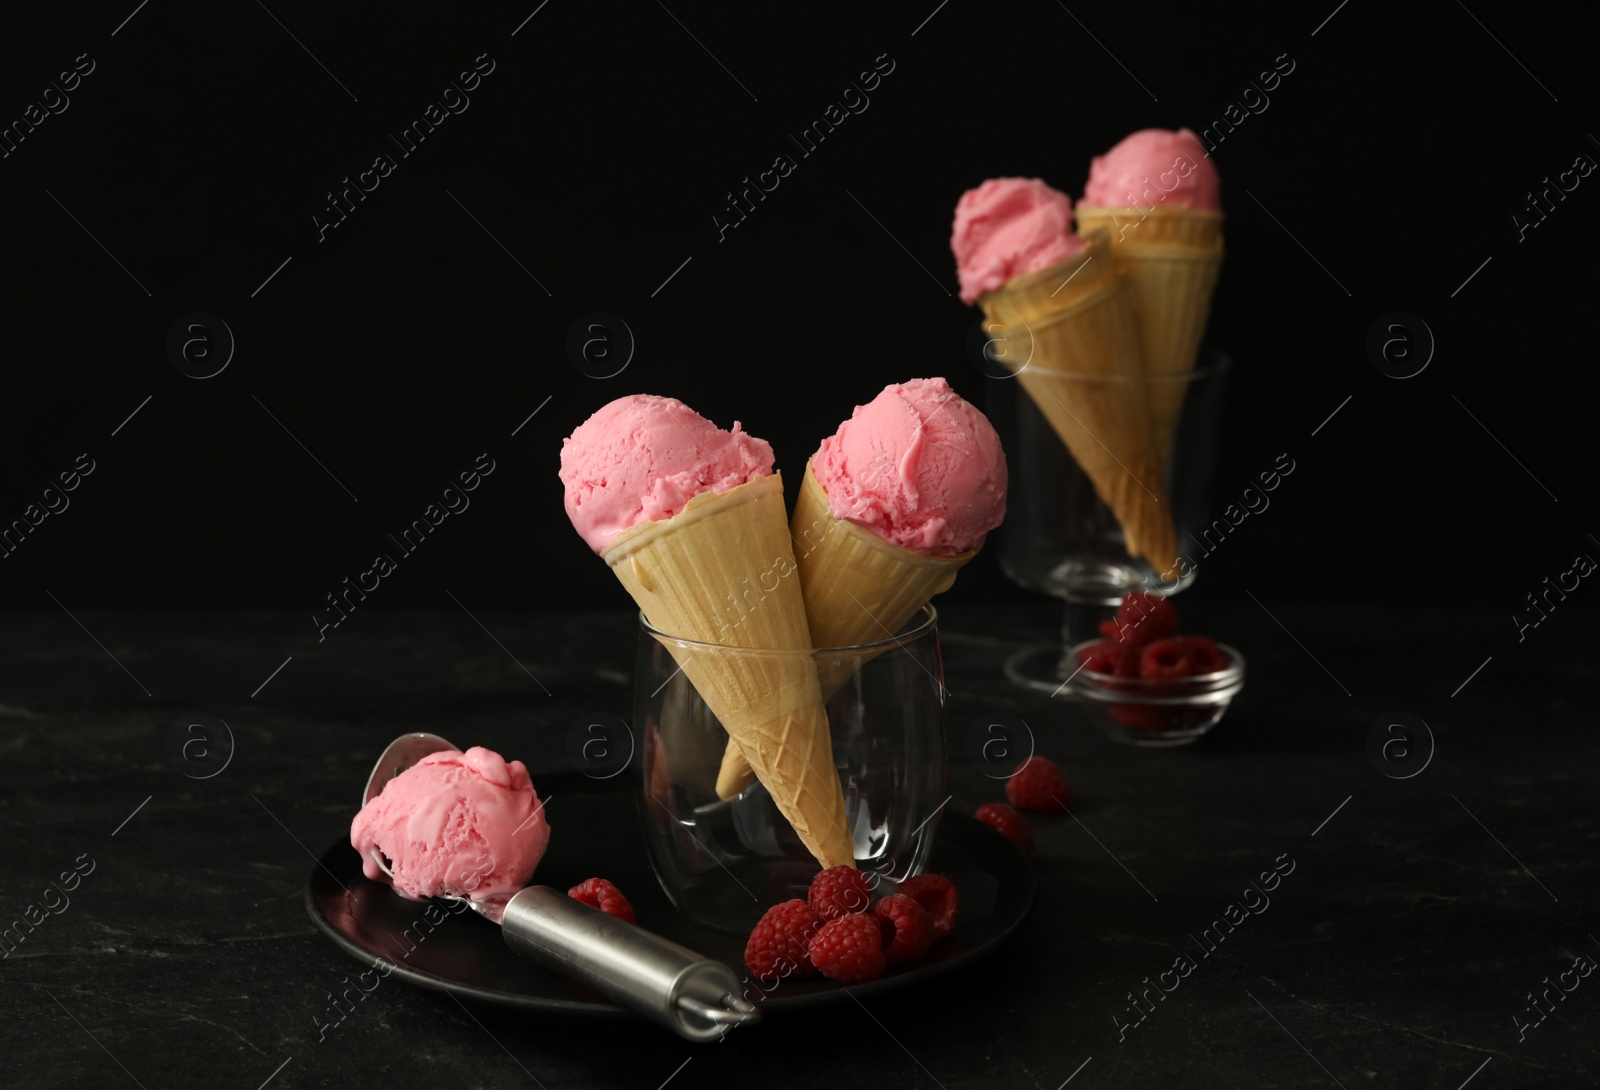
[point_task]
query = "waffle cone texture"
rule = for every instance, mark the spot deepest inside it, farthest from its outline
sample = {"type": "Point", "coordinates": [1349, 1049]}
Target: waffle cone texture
{"type": "Point", "coordinates": [1080, 362]}
{"type": "Point", "coordinates": [858, 589]}
{"type": "Point", "coordinates": [1171, 258]}
{"type": "Point", "coordinates": [701, 576]}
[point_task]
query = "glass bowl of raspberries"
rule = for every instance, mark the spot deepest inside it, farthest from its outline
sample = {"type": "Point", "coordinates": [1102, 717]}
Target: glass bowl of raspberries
{"type": "Point", "coordinates": [1144, 683]}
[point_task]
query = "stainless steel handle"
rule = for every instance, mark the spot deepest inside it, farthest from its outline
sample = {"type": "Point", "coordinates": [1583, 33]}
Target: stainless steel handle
{"type": "Point", "coordinates": [694, 996]}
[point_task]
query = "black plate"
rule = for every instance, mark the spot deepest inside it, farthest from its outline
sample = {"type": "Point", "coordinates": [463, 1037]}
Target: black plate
{"type": "Point", "coordinates": [465, 954]}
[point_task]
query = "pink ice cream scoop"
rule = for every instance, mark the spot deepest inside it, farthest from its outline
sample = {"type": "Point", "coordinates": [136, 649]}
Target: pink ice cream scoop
{"type": "Point", "coordinates": [468, 824]}
{"type": "Point", "coordinates": [919, 467]}
{"type": "Point", "coordinates": [1007, 227]}
{"type": "Point", "coordinates": [641, 458]}
{"type": "Point", "coordinates": [1154, 166]}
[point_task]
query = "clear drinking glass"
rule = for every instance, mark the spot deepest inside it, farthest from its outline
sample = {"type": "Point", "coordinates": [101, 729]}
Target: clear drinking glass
{"type": "Point", "coordinates": [1059, 538]}
{"type": "Point", "coordinates": [724, 862]}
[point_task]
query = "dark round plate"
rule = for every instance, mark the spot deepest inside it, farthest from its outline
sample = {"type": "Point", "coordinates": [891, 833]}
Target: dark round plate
{"type": "Point", "coordinates": [460, 952]}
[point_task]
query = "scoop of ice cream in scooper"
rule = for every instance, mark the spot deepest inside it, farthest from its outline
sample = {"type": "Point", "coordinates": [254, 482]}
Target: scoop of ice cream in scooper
{"type": "Point", "coordinates": [439, 823]}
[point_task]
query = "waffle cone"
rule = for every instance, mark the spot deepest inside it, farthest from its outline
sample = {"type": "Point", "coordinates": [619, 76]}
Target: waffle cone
{"type": "Point", "coordinates": [1038, 295]}
{"type": "Point", "coordinates": [858, 589]}
{"type": "Point", "coordinates": [1083, 370]}
{"type": "Point", "coordinates": [1171, 257]}
{"type": "Point", "coordinates": [1159, 226]}
{"type": "Point", "coordinates": [677, 569]}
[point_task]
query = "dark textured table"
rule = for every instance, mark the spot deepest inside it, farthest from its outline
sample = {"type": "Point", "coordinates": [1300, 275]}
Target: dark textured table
{"type": "Point", "coordinates": [1421, 932]}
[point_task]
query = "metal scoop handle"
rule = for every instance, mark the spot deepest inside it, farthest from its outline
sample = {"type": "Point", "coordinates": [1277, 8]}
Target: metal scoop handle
{"type": "Point", "coordinates": [692, 995]}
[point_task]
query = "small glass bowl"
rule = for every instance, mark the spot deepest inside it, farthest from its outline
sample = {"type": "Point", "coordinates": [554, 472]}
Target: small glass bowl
{"type": "Point", "coordinates": [1154, 713]}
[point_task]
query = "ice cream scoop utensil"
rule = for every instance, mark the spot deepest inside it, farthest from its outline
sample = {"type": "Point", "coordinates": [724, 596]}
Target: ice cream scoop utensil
{"type": "Point", "coordinates": [400, 755]}
{"type": "Point", "coordinates": [694, 996]}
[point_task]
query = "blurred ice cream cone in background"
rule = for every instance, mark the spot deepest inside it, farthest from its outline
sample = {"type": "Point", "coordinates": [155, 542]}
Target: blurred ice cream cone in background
{"type": "Point", "coordinates": [1077, 351]}
{"type": "Point", "coordinates": [1157, 196]}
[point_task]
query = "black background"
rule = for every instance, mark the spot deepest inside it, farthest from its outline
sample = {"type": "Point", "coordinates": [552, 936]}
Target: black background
{"type": "Point", "coordinates": [598, 151]}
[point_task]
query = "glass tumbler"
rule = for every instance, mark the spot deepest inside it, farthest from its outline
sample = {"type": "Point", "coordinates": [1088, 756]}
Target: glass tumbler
{"type": "Point", "coordinates": [1060, 538]}
{"type": "Point", "coordinates": [724, 862]}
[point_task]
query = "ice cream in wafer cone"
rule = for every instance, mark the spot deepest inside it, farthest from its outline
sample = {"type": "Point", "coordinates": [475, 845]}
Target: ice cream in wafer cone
{"type": "Point", "coordinates": [1074, 345]}
{"type": "Point", "coordinates": [686, 526]}
{"type": "Point", "coordinates": [1171, 252]}
{"type": "Point", "coordinates": [920, 476]}
{"type": "Point", "coordinates": [1082, 372]}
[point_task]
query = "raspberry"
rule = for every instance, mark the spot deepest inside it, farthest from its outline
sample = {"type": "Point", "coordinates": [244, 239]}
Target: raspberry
{"type": "Point", "coordinates": [1108, 657]}
{"type": "Point", "coordinates": [1205, 655]}
{"type": "Point", "coordinates": [780, 944]}
{"type": "Point", "coordinates": [937, 895]}
{"type": "Point", "coordinates": [906, 926]}
{"type": "Point", "coordinates": [839, 891]}
{"type": "Point", "coordinates": [1009, 824]}
{"type": "Point", "coordinates": [1037, 784]}
{"type": "Point", "coordinates": [1141, 619]}
{"type": "Point", "coordinates": [1166, 659]}
{"type": "Point", "coordinates": [1105, 656]}
{"type": "Point", "coordinates": [598, 893]}
{"type": "Point", "coordinates": [849, 949]}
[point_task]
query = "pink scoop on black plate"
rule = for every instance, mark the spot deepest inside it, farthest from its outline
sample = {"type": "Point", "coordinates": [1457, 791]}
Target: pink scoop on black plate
{"type": "Point", "coordinates": [439, 823]}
